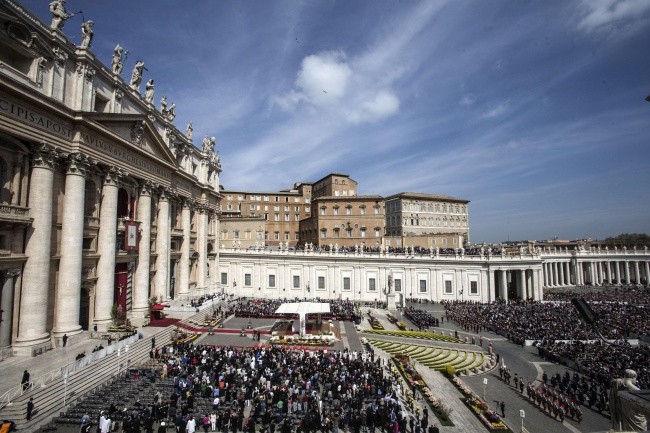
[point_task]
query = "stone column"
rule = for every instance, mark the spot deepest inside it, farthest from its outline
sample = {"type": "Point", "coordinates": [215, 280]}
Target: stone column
{"type": "Point", "coordinates": [161, 279]}
{"type": "Point", "coordinates": [561, 276]}
{"type": "Point", "coordinates": [68, 290]}
{"type": "Point", "coordinates": [556, 275]}
{"type": "Point", "coordinates": [7, 306]}
{"type": "Point", "coordinates": [202, 249]}
{"type": "Point", "coordinates": [530, 289]}
{"type": "Point", "coordinates": [503, 285]}
{"type": "Point", "coordinates": [106, 244]}
{"type": "Point", "coordinates": [647, 272]}
{"type": "Point", "coordinates": [609, 272]}
{"type": "Point", "coordinates": [521, 284]}
{"type": "Point", "coordinates": [34, 297]}
{"type": "Point", "coordinates": [578, 272]}
{"type": "Point", "coordinates": [637, 273]}
{"type": "Point", "coordinates": [627, 271]}
{"type": "Point", "coordinates": [491, 286]}
{"type": "Point", "coordinates": [143, 266]}
{"type": "Point", "coordinates": [537, 289]}
{"type": "Point", "coordinates": [184, 271]}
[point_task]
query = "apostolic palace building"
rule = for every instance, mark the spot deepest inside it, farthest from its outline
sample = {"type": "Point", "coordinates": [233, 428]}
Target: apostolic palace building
{"type": "Point", "coordinates": [106, 204]}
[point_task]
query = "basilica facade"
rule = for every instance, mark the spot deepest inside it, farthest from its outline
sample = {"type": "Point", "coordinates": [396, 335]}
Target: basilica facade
{"type": "Point", "coordinates": [105, 204]}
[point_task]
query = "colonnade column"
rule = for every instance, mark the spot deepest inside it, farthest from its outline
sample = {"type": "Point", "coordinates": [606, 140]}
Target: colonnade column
{"type": "Point", "coordinates": [637, 273]}
{"type": "Point", "coordinates": [529, 283]}
{"type": "Point", "coordinates": [537, 289]}
{"type": "Point", "coordinates": [106, 242]}
{"type": "Point", "coordinates": [521, 287]}
{"type": "Point", "coordinates": [627, 271]}
{"type": "Point", "coordinates": [491, 286]}
{"type": "Point", "coordinates": [184, 271]}
{"type": "Point", "coordinates": [561, 269]}
{"type": "Point", "coordinates": [578, 273]}
{"type": "Point", "coordinates": [202, 248]}
{"type": "Point", "coordinates": [503, 285]}
{"type": "Point", "coordinates": [68, 290]}
{"type": "Point", "coordinates": [545, 271]}
{"type": "Point", "coordinates": [609, 272]}
{"type": "Point", "coordinates": [161, 279]}
{"type": "Point", "coordinates": [143, 266]}
{"type": "Point", "coordinates": [7, 305]}
{"type": "Point", "coordinates": [32, 323]}
{"type": "Point", "coordinates": [647, 273]}
{"type": "Point", "coordinates": [567, 272]}
{"type": "Point", "coordinates": [617, 272]}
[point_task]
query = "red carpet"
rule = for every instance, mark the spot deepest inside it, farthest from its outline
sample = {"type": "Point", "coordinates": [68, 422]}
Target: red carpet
{"type": "Point", "coordinates": [163, 323]}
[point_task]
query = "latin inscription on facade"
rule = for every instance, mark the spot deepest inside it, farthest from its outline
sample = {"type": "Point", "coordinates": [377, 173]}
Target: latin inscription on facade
{"type": "Point", "coordinates": [124, 155]}
{"type": "Point", "coordinates": [34, 118]}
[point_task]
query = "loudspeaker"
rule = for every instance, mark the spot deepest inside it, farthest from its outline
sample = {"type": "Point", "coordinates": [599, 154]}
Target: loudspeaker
{"type": "Point", "coordinates": [585, 311]}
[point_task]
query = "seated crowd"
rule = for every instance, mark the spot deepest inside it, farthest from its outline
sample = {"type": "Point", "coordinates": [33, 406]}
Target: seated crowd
{"type": "Point", "coordinates": [286, 391]}
{"type": "Point", "coordinates": [562, 336]}
{"type": "Point", "coordinates": [265, 308]}
{"type": "Point", "coordinates": [421, 318]}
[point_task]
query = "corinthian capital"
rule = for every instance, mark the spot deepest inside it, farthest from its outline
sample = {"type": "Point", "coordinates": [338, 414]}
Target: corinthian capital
{"type": "Point", "coordinates": [113, 175]}
{"type": "Point", "coordinates": [79, 164]}
{"type": "Point", "coordinates": [145, 187]}
{"type": "Point", "coordinates": [44, 156]}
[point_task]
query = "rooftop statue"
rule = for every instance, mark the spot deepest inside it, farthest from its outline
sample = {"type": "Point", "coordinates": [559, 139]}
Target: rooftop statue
{"type": "Point", "coordinates": [136, 74]}
{"type": "Point", "coordinates": [148, 92]}
{"type": "Point", "coordinates": [59, 14]}
{"type": "Point", "coordinates": [117, 59]}
{"type": "Point", "coordinates": [87, 33]}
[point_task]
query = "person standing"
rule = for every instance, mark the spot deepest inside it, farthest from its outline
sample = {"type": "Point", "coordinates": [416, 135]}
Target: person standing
{"type": "Point", "coordinates": [65, 339]}
{"type": "Point", "coordinates": [25, 380]}
{"type": "Point", "coordinates": [502, 406]}
{"type": "Point", "coordinates": [30, 409]}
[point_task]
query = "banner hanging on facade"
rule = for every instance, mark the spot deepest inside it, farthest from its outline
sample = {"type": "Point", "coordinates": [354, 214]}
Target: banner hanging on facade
{"type": "Point", "coordinates": [131, 235]}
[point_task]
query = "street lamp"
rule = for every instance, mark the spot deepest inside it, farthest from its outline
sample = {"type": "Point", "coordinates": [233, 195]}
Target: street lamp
{"type": "Point", "coordinates": [485, 381]}
{"type": "Point", "coordinates": [522, 415]}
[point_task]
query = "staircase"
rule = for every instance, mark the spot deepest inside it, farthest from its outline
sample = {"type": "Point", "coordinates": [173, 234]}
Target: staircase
{"type": "Point", "coordinates": [49, 400]}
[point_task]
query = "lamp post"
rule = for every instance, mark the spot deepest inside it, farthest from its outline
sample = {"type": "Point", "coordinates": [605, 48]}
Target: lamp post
{"type": "Point", "coordinates": [485, 381]}
{"type": "Point", "coordinates": [522, 415]}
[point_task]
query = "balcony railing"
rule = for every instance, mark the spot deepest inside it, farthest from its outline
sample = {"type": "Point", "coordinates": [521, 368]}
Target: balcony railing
{"type": "Point", "coordinates": [14, 214]}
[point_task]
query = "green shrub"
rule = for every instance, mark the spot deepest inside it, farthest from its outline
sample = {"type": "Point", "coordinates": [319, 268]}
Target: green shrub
{"type": "Point", "coordinates": [450, 370]}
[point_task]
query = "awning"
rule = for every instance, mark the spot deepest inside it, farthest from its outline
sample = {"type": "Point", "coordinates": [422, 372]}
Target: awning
{"type": "Point", "coordinates": [157, 307]}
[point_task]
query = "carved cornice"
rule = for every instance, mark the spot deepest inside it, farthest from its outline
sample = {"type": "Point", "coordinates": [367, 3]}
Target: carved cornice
{"type": "Point", "coordinates": [60, 56]}
{"type": "Point", "coordinates": [86, 70]}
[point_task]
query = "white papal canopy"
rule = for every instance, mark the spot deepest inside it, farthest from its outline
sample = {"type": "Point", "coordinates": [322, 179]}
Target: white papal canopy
{"type": "Point", "coordinates": [302, 309]}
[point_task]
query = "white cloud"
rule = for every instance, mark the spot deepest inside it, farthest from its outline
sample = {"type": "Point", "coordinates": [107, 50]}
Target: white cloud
{"type": "Point", "coordinates": [324, 77]}
{"type": "Point", "coordinates": [383, 104]}
{"type": "Point", "coordinates": [601, 14]}
{"type": "Point", "coordinates": [495, 111]}
{"type": "Point", "coordinates": [467, 99]}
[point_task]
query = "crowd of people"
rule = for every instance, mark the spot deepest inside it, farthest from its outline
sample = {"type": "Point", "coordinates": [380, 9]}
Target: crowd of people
{"type": "Point", "coordinates": [561, 336]}
{"type": "Point", "coordinates": [420, 318]}
{"type": "Point", "coordinates": [265, 308]}
{"type": "Point", "coordinates": [284, 390]}
{"type": "Point", "coordinates": [630, 294]}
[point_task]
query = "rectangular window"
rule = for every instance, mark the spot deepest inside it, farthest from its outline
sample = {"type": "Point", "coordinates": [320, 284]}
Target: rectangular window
{"type": "Point", "coordinates": [362, 211]}
{"type": "Point", "coordinates": [336, 211]}
{"type": "Point", "coordinates": [276, 217]}
{"type": "Point", "coordinates": [286, 236]}
{"type": "Point", "coordinates": [423, 286]}
{"type": "Point", "coordinates": [376, 233]}
{"type": "Point", "coordinates": [348, 211]}
{"type": "Point", "coordinates": [348, 232]}
{"type": "Point", "coordinates": [296, 281]}
{"type": "Point", "coordinates": [363, 233]}
{"type": "Point", "coordinates": [322, 211]}
{"type": "Point", "coordinates": [286, 208]}
{"type": "Point", "coordinates": [224, 278]}
{"type": "Point", "coordinates": [297, 237]}
{"type": "Point", "coordinates": [286, 217]}
{"type": "Point", "coordinates": [271, 280]}
{"type": "Point", "coordinates": [247, 280]}
{"type": "Point", "coordinates": [473, 287]}
{"type": "Point", "coordinates": [448, 288]}
{"type": "Point", "coordinates": [321, 282]}
{"type": "Point", "coordinates": [296, 217]}
{"type": "Point", "coordinates": [398, 285]}
{"type": "Point", "coordinates": [372, 284]}
{"type": "Point", "coordinates": [276, 208]}
{"type": "Point", "coordinates": [276, 236]}
{"type": "Point", "coordinates": [346, 283]}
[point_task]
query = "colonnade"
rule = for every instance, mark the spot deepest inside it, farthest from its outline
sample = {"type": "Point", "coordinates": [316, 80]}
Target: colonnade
{"type": "Point", "coordinates": [35, 304]}
{"type": "Point", "coordinates": [607, 271]}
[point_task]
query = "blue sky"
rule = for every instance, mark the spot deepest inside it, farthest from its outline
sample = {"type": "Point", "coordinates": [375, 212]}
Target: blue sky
{"type": "Point", "coordinates": [532, 110]}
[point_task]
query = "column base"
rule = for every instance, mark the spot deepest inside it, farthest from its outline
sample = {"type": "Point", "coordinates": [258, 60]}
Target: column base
{"type": "Point", "coordinates": [102, 324]}
{"type": "Point", "coordinates": [32, 346]}
{"type": "Point", "coordinates": [59, 333]}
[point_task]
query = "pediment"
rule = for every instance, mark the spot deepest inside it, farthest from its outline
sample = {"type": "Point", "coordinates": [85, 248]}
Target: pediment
{"type": "Point", "coordinates": [136, 132]}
